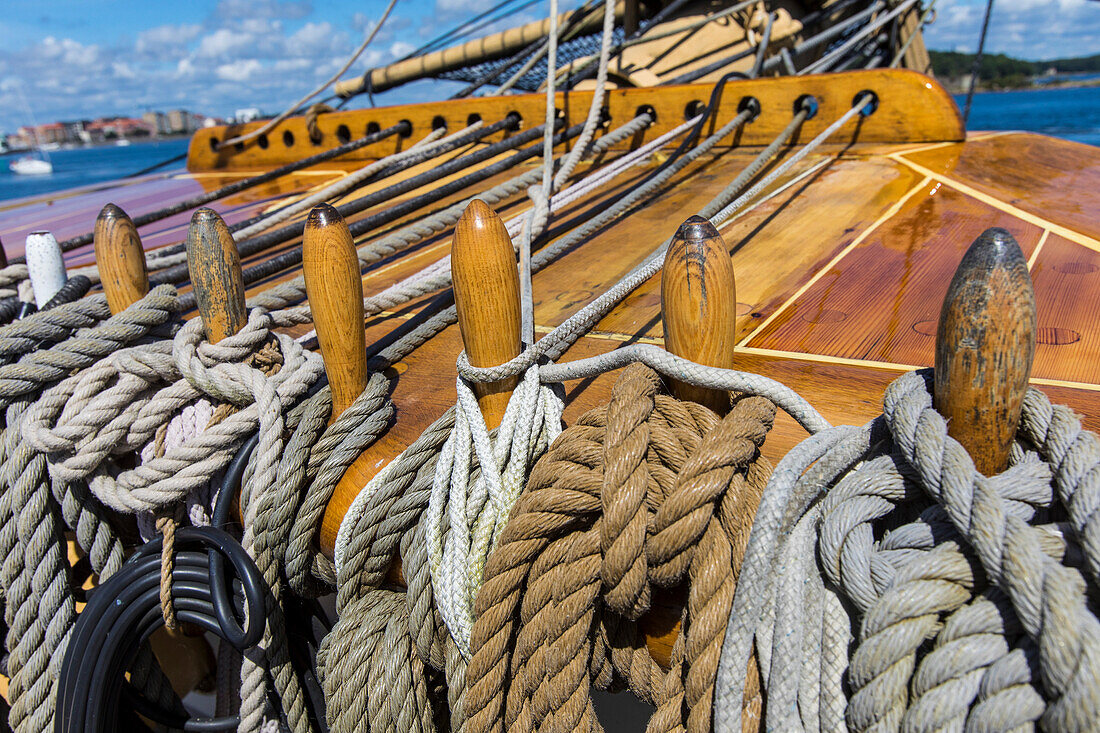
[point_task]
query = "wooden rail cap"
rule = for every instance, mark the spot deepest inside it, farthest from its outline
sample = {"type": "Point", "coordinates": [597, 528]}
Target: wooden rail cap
{"type": "Point", "coordinates": [121, 259]}
{"type": "Point", "coordinates": [699, 306]}
{"type": "Point", "coordinates": [45, 265]}
{"type": "Point", "coordinates": [215, 267]}
{"type": "Point", "coordinates": [334, 286]}
{"type": "Point", "coordinates": [985, 344]}
{"type": "Point", "coordinates": [486, 287]}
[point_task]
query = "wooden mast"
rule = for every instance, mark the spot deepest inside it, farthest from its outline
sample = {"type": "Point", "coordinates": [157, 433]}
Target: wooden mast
{"type": "Point", "coordinates": [985, 344]}
{"type": "Point", "coordinates": [120, 258]}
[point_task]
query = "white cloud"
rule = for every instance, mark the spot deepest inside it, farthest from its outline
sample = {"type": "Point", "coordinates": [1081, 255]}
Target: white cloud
{"type": "Point", "coordinates": [238, 70]}
{"type": "Point", "coordinates": [1029, 29]}
{"type": "Point", "coordinates": [223, 42]}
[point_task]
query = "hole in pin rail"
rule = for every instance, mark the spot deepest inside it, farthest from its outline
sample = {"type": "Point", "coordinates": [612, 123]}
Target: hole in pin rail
{"type": "Point", "coordinates": [438, 122]}
{"type": "Point", "coordinates": [407, 128]}
{"type": "Point", "coordinates": [343, 134]}
{"type": "Point", "coordinates": [473, 119]}
{"type": "Point", "coordinates": [372, 127]}
{"type": "Point", "coordinates": [213, 144]}
{"type": "Point", "coordinates": [750, 104]}
{"type": "Point", "coordinates": [515, 120]}
{"type": "Point", "coordinates": [694, 108]}
{"type": "Point", "coordinates": [647, 109]}
{"type": "Point", "coordinates": [288, 138]}
{"type": "Point", "coordinates": [238, 147]}
{"type": "Point", "coordinates": [870, 107]}
{"type": "Point", "coordinates": [262, 142]}
{"type": "Point", "coordinates": [806, 102]}
{"type": "Point", "coordinates": [605, 116]}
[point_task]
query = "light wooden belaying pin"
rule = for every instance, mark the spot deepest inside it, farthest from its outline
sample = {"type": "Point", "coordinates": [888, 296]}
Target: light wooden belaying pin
{"type": "Point", "coordinates": [215, 267]}
{"type": "Point", "coordinates": [699, 306]}
{"type": "Point", "coordinates": [486, 287]}
{"type": "Point", "coordinates": [334, 286]}
{"type": "Point", "coordinates": [985, 345]}
{"type": "Point", "coordinates": [120, 258]}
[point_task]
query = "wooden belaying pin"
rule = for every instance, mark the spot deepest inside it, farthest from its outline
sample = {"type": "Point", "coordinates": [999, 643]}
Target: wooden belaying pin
{"type": "Point", "coordinates": [215, 268]}
{"type": "Point", "coordinates": [486, 287]}
{"type": "Point", "coordinates": [120, 258]}
{"type": "Point", "coordinates": [45, 265]}
{"type": "Point", "coordinates": [985, 345]}
{"type": "Point", "coordinates": [699, 306]}
{"type": "Point", "coordinates": [335, 290]}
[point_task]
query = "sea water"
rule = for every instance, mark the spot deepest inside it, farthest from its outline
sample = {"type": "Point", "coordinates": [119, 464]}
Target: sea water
{"type": "Point", "coordinates": [81, 166]}
{"type": "Point", "coordinates": [1073, 114]}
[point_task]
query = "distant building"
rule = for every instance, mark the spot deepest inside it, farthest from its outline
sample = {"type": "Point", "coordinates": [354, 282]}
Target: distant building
{"type": "Point", "coordinates": [110, 129]}
{"type": "Point", "coordinates": [158, 121]}
{"type": "Point", "coordinates": [247, 114]}
{"type": "Point", "coordinates": [182, 121]}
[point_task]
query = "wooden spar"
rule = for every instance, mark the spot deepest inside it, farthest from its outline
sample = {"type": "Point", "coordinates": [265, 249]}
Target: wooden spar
{"type": "Point", "coordinates": [985, 344]}
{"type": "Point", "coordinates": [215, 268]}
{"type": "Point", "coordinates": [699, 306]}
{"type": "Point", "coordinates": [486, 287]}
{"type": "Point", "coordinates": [334, 287]}
{"type": "Point", "coordinates": [45, 265]}
{"type": "Point", "coordinates": [120, 258]}
{"type": "Point", "coordinates": [473, 52]}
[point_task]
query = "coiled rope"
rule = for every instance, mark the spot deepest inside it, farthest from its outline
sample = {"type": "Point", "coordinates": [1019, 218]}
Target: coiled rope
{"type": "Point", "coordinates": [962, 600]}
{"type": "Point", "coordinates": [640, 495]}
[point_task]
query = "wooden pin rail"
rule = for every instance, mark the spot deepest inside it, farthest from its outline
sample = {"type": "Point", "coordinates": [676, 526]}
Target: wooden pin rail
{"type": "Point", "coordinates": [912, 108]}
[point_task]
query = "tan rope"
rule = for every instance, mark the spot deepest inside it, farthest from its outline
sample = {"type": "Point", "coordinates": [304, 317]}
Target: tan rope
{"type": "Point", "coordinates": [643, 494]}
{"type": "Point", "coordinates": [312, 114]}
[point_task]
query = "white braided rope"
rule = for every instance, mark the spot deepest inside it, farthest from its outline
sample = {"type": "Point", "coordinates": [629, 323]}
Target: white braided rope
{"type": "Point", "coordinates": [466, 514]}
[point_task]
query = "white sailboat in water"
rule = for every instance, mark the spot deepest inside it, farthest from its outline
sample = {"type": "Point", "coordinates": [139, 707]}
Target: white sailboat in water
{"type": "Point", "coordinates": [32, 165]}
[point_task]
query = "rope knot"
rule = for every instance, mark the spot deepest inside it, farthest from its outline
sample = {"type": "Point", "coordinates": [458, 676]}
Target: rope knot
{"type": "Point", "coordinates": [648, 490]}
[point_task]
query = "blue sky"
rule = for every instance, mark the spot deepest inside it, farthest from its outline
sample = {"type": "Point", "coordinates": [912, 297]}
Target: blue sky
{"type": "Point", "coordinates": [88, 58]}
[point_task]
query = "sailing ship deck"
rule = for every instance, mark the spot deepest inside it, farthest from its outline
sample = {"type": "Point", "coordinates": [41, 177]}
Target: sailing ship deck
{"type": "Point", "coordinates": [840, 273]}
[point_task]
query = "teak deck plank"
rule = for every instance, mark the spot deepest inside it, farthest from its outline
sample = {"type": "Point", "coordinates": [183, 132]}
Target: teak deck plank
{"type": "Point", "coordinates": [881, 301]}
{"type": "Point", "coordinates": [1067, 281]}
{"type": "Point", "coordinates": [1046, 177]}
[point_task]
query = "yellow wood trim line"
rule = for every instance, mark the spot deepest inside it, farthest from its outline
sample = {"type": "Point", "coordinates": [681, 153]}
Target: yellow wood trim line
{"type": "Point", "coordinates": [822, 359]}
{"type": "Point", "coordinates": [1038, 249]}
{"type": "Point", "coordinates": [894, 209]}
{"type": "Point", "coordinates": [923, 148]}
{"type": "Point", "coordinates": [866, 363]}
{"type": "Point", "coordinates": [1061, 231]}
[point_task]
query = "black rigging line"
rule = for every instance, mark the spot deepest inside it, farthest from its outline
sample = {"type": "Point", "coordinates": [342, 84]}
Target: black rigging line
{"type": "Point", "coordinates": [977, 67]}
{"type": "Point", "coordinates": [403, 128]}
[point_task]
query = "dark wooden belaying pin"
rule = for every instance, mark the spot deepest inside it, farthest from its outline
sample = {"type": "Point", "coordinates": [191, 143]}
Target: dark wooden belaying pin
{"type": "Point", "coordinates": [120, 258]}
{"type": "Point", "coordinates": [699, 306]}
{"type": "Point", "coordinates": [215, 268]}
{"type": "Point", "coordinates": [985, 345]}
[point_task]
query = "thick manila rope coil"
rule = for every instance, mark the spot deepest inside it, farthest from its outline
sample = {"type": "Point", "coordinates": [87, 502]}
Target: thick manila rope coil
{"type": "Point", "coordinates": [889, 586]}
{"type": "Point", "coordinates": [640, 495]}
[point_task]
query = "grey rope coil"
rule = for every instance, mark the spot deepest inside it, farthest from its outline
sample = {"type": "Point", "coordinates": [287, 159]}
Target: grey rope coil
{"type": "Point", "coordinates": [962, 598]}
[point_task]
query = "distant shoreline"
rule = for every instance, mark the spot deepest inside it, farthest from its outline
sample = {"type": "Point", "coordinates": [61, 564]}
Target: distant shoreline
{"type": "Point", "coordinates": [954, 88]}
{"type": "Point", "coordinates": [104, 144]}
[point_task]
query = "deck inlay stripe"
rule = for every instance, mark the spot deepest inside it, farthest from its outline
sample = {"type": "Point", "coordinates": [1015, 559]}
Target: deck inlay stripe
{"type": "Point", "coordinates": [886, 216]}
{"type": "Point", "coordinates": [1073, 236]}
